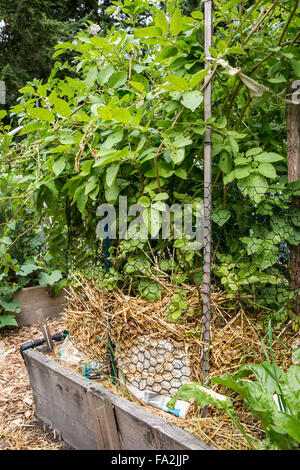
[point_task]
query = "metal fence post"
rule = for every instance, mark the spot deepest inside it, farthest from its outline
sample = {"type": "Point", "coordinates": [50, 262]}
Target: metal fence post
{"type": "Point", "coordinates": [208, 22]}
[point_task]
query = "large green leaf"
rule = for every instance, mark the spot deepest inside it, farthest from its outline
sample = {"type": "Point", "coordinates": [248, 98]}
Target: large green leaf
{"type": "Point", "coordinates": [229, 177]}
{"type": "Point", "coordinates": [267, 157]}
{"type": "Point", "coordinates": [105, 113]}
{"type": "Point", "coordinates": [10, 305]}
{"type": "Point", "coordinates": [121, 115]}
{"type": "Point", "coordinates": [3, 113]}
{"type": "Point", "coordinates": [225, 163]}
{"type": "Point", "coordinates": [204, 396]}
{"type": "Point", "coordinates": [107, 156]}
{"type": "Point", "coordinates": [253, 151]}
{"type": "Point", "coordinates": [28, 268]}
{"type": "Point", "coordinates": [182, 141]}
{"type": "Point", "coordinates": [7, 320]}
{"type": "Point", "coordinates": [296, 66]}
{"type": "Point", "coordinates": [198, 78]}
{"type": "Point", "coordinates": [49, 279]}
{"type": "Point", "coordinates": [161, 21]}
{"type": "Point", "coordinates": [192, 99]}
{"type": "Point", "coordinates": [152, 31]}
{"type": "Point", "coordinates": [254, 186]}
{"type": "Point", "coordinates": [59, 165]}
{"type": "Point", "coordinates": [150, 290]}
{"type": "Point", "coordinates": [233, 144]}
{"type": "Point", "coordinates": [291, 389]}
{"type": "Point", "coordinates": [176, 22]}
{"type": "Point", "coordinates": [105, 74]}
{"type": "Point", "coordinates": [242, 171]}
{"type": "Point", "coordinates": [111, 174]}
{"type": "Point", "coordinates": [221, 216]}
{"type": "Point", "coordinates": [179, 83]}
{"type": "Point", "coordinates": [81, 199]}
{"type": "Point", "coordinates": [228, 381]}
{"type": "Point", "coordinates": [259, 395]}
{"type": "Point", "coordinates": [177, 156]}
{"type": "Point", "coordinates": [113, 139]}
{"type": "Point", "coordinates": [267, 374]}
{"type": "Point", "coordinates": [92, 183]}
{"type": "Point", "coordinates": [62, 108]}
{"type": "Point", "coordinates": [118, 79]}
{"type": "Point", "coordinates": [42, 114]}
{"type": "Point", "coordinates": [268, 170]}
{"type": "Point", "coordinates": [112, 193]}
{"type": "Point", "coordinates": [288, 424]}
{"type": "Point", "coordinates": [31, 127]}
{"type": "Point", "coordinates": [91, 77]}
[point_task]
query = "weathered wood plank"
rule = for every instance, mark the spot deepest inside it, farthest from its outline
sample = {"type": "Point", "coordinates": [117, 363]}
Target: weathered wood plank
{"type": "Point", "coordinates": [104, 421]}
{"type": "Point", "coordinates": [140, 429]}
{"type": "Point", "coordinates": [293, 156]}
{"type": "Point", "coordinates": [293, 137]}
{"type": "Point", "coordinates": [61, 401]}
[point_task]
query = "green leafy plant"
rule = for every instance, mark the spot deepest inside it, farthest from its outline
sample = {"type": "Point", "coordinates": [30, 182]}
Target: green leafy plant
{"type": "Point", "coordinates": [23, 260]}
{"type": "Point", "coordinates": [281, 422]}
{"type": "Point", "coordinates": [127, 120]}
{"type": "Point", "coordinates": [273, 398]}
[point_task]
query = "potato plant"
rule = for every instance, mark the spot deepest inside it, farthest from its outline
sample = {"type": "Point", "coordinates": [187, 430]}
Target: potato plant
{"type": "Point", "coordinates": [127, 120]}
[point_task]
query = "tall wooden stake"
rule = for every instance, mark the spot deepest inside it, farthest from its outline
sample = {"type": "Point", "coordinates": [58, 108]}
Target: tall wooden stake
{"type": "Point", "coordinates": [208, 33]}
{"type": "Point", "coordinates": [293, 155]}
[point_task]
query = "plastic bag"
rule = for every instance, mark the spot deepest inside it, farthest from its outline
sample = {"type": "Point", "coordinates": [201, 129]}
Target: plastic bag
{"type": "Point", "coordinates": [71, 356]}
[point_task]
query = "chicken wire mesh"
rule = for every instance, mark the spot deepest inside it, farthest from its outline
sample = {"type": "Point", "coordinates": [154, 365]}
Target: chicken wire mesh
{"type": "Point", "coordinates": [254, 247]}
{"type": "Point", "coordinates": [155, 364]}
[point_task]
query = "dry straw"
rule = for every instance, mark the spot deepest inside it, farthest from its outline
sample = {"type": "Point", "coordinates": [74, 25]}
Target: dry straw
{"type": "Point", "coordinates": [93, 317]}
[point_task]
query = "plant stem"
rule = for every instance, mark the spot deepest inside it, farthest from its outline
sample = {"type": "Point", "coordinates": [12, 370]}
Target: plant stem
{"type": "Point", "coordinates": [249, 99]}
{"type": "Point", "coordinates": [244, 20]}
{"type": "Point", "coordinates": [258, 23]}
{"type": "Point", "coordinates": [288, 22]}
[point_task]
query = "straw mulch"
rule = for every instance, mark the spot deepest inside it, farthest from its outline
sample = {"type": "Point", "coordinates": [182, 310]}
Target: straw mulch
{"type": "Point", "coordinates": [87, 327]}
{"type": "Point", "coordinates": [19, 429]}
{"type": "Point", "coordinates": [235, 340]}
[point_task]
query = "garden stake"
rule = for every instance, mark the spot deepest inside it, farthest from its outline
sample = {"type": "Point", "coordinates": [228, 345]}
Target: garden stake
{"type": "Point", "coordinates": [208, 25]}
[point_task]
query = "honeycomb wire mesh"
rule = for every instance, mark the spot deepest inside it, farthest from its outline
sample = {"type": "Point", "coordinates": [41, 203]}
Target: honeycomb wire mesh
{"type": "Point", "coordinates": [253, 239]}
{"type": "Point", "coordinates": [156, 365]}
{"type": "Point", "coordinates": [256, 245]}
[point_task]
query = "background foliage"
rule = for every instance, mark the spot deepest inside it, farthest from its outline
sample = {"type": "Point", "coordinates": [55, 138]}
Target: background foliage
{"type": "Point", "coordinates": [30, 29]}
{"type": "Point", "coordinates": [127, 119]}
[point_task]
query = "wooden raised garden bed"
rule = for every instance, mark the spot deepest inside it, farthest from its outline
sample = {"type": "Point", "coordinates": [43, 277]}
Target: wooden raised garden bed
{"type": "Point", "coordinates": [90, 417]}
{"type": "Point", "coordinates": [37, 304]}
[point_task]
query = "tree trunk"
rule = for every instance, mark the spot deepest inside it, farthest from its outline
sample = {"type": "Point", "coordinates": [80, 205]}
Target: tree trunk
{"type": "Point", "coordinates": [293, 154]}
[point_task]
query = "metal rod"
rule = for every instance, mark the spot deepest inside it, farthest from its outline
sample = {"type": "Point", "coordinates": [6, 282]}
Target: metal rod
{"type": "Point", "coordinates": [47, 335]}
{"type": "Point", "coordinates": [208, 34]}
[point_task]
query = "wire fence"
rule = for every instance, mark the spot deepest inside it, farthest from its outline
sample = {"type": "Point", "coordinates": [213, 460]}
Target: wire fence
{"type": "Point", "coordinates": [254, 240]}
{"type": "Point", "coordinates": [254, 246]}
